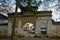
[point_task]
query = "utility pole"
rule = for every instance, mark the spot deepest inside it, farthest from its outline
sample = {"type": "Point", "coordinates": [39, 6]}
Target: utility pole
{"type": "Point", "coordinates": [14, 22]}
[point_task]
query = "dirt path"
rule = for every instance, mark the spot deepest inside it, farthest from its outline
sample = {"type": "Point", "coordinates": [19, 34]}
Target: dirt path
{"type": "Point", "coordinates": [29, 39]}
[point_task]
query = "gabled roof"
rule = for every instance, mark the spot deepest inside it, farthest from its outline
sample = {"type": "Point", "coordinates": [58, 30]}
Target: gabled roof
{"type": "Point", "coordinates": [55, 23]}
{"type": "Point", "coordinates": [3, 17]}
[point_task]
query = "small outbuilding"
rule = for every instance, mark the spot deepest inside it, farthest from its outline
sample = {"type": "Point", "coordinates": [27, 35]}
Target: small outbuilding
{"type": "Point", "coordinates": [3, 25]}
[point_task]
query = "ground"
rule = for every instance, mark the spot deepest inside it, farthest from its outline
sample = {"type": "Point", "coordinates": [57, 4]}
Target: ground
{"type": "Point", "coordinates": [29, 38]}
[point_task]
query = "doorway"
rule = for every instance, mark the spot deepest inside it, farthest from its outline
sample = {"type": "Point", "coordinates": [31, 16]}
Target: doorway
{"type": "Point", "coordinates": [28, 26]}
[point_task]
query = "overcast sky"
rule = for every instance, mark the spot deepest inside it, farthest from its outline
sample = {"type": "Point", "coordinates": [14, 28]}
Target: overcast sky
{"type": "Point", "coordinates": [51, 5]}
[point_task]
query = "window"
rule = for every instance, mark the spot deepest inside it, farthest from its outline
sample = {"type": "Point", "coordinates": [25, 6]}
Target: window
{"type": "Point", "coordinates": [43, 27]}
{"type": "Point", "coordinates": [43, 30]}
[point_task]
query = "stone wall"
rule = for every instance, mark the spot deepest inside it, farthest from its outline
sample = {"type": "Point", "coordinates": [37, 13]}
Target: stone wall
{"type": "Point", "coordinates": [3, 30]}
{"type": "Point", "coordinates": [56, 29]}
{"type": "Point", "coordinates": [43, 22]}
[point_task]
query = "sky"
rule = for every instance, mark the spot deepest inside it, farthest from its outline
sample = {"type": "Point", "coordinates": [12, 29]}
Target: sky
{"type": "Point", "coordinates": [50, 5]}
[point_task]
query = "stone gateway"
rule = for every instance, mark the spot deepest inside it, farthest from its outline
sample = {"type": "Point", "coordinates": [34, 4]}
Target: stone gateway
{"type": "Point", "coordinates": [39, 23]}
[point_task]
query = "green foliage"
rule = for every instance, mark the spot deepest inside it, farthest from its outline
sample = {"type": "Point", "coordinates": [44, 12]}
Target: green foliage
{"type": "Point", "coordinates": [29, 7]}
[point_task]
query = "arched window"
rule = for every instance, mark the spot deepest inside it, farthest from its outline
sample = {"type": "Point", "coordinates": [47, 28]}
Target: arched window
{"type": "Point", "coordinates": [43, 28]}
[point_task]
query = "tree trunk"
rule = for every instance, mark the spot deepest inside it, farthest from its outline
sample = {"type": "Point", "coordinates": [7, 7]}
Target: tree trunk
{"type": "Point", "coordinates": [14, 22]}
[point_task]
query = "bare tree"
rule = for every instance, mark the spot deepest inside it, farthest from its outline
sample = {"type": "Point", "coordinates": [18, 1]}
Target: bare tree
{"type": "Point", "coordinates": [5, 7]}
